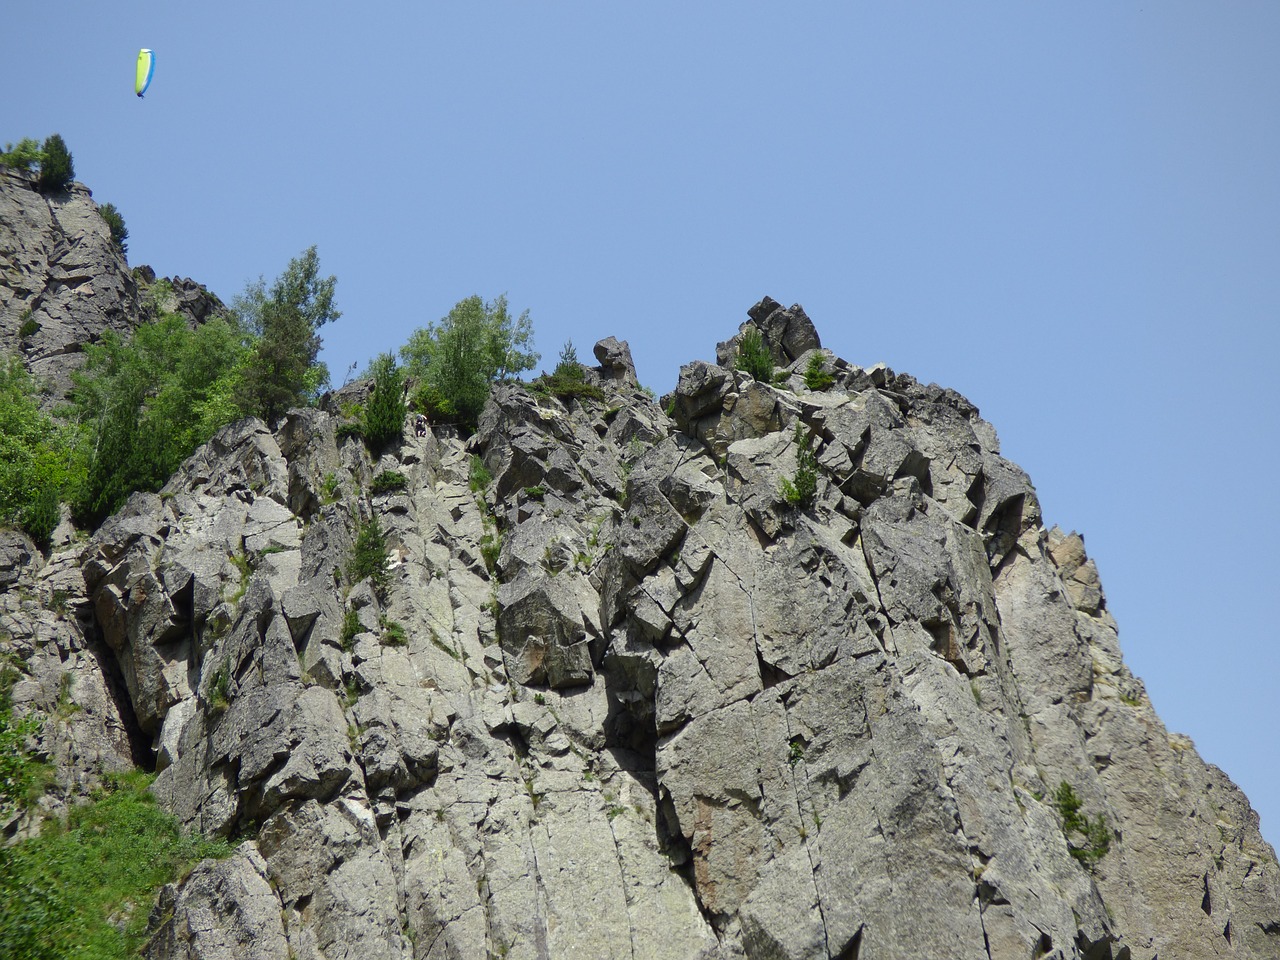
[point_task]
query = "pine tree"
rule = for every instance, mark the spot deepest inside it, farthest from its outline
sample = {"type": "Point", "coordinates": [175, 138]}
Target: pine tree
{"type": "Point", "coordinates": [384, 414]}
{"type": "Point", "coordinates": [56, 168]}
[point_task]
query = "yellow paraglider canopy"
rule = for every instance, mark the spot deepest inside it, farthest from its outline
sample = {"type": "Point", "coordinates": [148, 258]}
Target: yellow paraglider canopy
{"type": "Point", "coordinates": [146, 67]}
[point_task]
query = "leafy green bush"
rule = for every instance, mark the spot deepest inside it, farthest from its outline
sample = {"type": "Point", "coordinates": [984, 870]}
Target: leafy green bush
{"type": "Point", "coordinates": [56, 167]}
{"type": "Point", "coordinates": [369, 557]}
{"type": "Point", "coordinates": [115, 223]}
{"type": "Point", "coordinates": [801, 489]}
{"type": "Point", "coordinates": [40, 462]}
{"type": "Point", "coordinates": [84, 889]}
{"type": "Point", "coordinates": [816, 376]}
{"type": "Point", "coordinates": [461, 357]}
{"type": "Point", "coordinates": [21, 156]}
{"type": "Point", "coordinates": [388, 481]}
{"type": "Point", "coordinates": [1094, 837]}
{"type": "Point", "coordinates": [145, 404]}
{"type": "Point", "coordinates": [385, 411]}
{"type": "Point", "coordinates": [428, 399]}
{"type": "Point", "coordinates": [569, 379]}
{"type": "Point", "coordinates": [393, 634]}
{"type": "Point", "coordinates": [754, 357]}
{"type": "Point", "coordinates": [351, 629]}
{"type": "Point", "coordinates": [490, 550]}
{"type": "Point", "coordinates": [349, 429]}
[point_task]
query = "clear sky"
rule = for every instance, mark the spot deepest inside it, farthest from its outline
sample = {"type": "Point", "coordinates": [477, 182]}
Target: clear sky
{"type": "Point", "coordinates": [1069, 212]}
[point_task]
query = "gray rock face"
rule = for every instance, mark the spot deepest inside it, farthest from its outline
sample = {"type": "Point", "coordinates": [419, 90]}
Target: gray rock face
{"type": "Point", "coordinates": [627, 701]}
{"type": "Point", "coordinates": [787, 333]}
{"type": "Point", "coordinates": [615, 360]}
{"type": "Point", "coordinates": [60, 273]}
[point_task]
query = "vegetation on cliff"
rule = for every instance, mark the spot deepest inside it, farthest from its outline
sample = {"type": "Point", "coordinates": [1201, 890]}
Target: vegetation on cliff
{"type": "Point", "coordinates": [84, 887]}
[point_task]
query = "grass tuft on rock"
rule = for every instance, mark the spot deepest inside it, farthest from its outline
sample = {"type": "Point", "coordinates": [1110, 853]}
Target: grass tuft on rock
{"type": "Point", "coordinates": [84, 888]}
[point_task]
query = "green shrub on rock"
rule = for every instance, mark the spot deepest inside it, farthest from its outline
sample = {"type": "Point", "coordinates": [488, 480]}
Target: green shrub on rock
{"type": "Point", "coordinates": [1088, 840]}
{"type": "Point", "coordinates": [369, 558]}
{"type": "Point", "coordinates": [115, 223]}
{"type": "Point", "coordinates": [803, 487]}
{"type": "Point", "coordinates": [388, 481]}
{"type": "Point", "coordinates": [816, 376]}
{"type": "Point", "coordinates": [754, 357]}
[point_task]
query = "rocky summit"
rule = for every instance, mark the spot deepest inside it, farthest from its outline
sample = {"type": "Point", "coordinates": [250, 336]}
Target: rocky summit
{"type": "Point", "coordinates": [633, 687]}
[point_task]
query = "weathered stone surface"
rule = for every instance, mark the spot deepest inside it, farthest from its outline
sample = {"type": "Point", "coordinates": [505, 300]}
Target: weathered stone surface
{"type": "Point", "coordinates": [628, 702]}
{"type": "Point", "coordinates": [614, 356]}
{"type": "Point", "coordinates": [57, 260]}
{"type": "Point", "coordinates": [788, 333]}
{"type": "Point", "coordinates": [225, 910]}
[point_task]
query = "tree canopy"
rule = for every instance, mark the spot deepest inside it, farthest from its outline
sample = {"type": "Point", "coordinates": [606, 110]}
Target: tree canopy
{"type": "Point", "coordinates": [36, 456]}
{"type": "Point", "coordinates": [284, 370]}
{"type": "Point", "coordinates": [475, 345]}
{"type": "Point", "coordinates": [146, 403]}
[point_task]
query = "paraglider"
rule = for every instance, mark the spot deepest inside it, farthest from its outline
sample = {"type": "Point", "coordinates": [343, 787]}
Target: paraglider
{"type": "Point", "coordinates": [146, 67]}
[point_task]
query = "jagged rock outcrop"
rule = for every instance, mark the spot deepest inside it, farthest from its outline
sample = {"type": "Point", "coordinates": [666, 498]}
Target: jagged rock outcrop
{"type": "Point", "coordinates": [64, 282]}
{"type": "Point", "coordinates": [626, 700]}
{"type": "Point", "coordinates": [62, 279]}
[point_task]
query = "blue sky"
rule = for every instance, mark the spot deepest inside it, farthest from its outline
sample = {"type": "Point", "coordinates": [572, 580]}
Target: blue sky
{"type": "Point", "coordinates": [1068, 212]}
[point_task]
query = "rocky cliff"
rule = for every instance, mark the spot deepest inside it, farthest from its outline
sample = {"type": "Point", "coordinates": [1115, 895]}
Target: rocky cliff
{"type": "Point", "coordinates": [63, 281]}
{"type": "Point", "coordinates": [619, 698]}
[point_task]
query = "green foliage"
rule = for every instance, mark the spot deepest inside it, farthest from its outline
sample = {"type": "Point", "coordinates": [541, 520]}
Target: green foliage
{"type": "Point", "coordinates": [1094, 838]}
{"type": "Point", "coordinates": [568, 366]}
{"type": "Point", "coordinates": [388, 481]}
{"type": "Point", "coordinates": [795, 752]}
{"type": "Point", "coordinates": [348, 430]}
{"type": "Point", "coordinates": [84, 889]}
{"type": "Point", "coordinates": [284, 371]}
{"type": "Point", "coordinates": [490, 549]}
{"type": "Point", "coordinates": [393, 634]}
{"type": "Point", "coordinates": [159, 298]}
{"type": "Point", "coordinates": [39, 463]}
{"type": "Point", "coordinates": [28, 324]}
{"type": "Point", "coordinates": [220, 689]}
{"type": "Point", "coordinates": [22, 775]}
{"type": "Point", "coordinates": [21, 156]}
{"type": "Point", "coordinates": [330, 488]}
{"type": "Point", "coordinates": [568, 380]}
{"type": "Point", "coordinates": [428, 399]}
{"type": "Point", "coordinates": [816, 376]}
{"type": "Point", "coordinates": [56, 167]}
{"type": "Point", "coordinates": [480, 477]}
{"type": "Point", "coordinates": [568, 387]}
{"type": "Point", "coordinates": [115, 223]}
{"type": "Point", "coordinates": [536, 492]}
{"type": "Point", "coordinates": [801, 489]}
{"type": "Point", "coordinates": [369, 558]}
{"type": "Point", "coordinates": [474, 346]}
{"type": "Point", "coordinates": [385, 412]}
{"type": "Point", "coordinates": [351, 628]}
{"type": "Point", "coordinates": [145, 404]}
{"type": "Point", "coordinates": [753, 356]}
